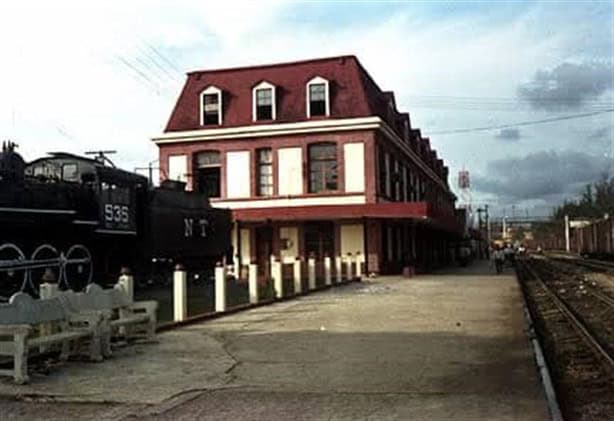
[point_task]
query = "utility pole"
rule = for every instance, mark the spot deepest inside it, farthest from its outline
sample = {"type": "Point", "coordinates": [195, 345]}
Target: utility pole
{"type": "Point", "coordinates": [101, 156]}
{"type": "Point", "coordinates": [487, 224]}
{"type": "Point", "coordinates": [567, 247]}
{"type": "Point", "coordinates": [503, 227]}
{"type": "Point", "coordinates": [150, 169]}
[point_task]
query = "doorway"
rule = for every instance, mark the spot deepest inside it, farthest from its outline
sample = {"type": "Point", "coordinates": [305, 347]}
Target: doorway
{"type": "Point", "coordinates": [264, 249]}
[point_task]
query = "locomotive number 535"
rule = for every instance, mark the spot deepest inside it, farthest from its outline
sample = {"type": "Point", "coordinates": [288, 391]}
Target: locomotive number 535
{"type": "Point", "coordinates": [116, 213]}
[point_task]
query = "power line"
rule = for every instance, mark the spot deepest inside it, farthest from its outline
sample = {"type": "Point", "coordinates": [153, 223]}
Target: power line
{"type": "Point", "coordinates": [160, 66]}
{"type": "Point", "coordinates": [491, 107]}
{"type": "Point", "coordinates": [159, 54]}
{"type": "Point", "coordinates": [475, 103]}
{"type": "Point", "coordinates": [506, 99]}
{"type": "Point", "coordinates": [522, 123]}
{"type": "Point", "coordinates": [146, 68]}
{"type": "Point", "coordinates": [139, 73]}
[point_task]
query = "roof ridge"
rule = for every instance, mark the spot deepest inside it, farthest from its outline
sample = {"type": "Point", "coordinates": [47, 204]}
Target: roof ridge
{"type": "Point", "coordinates": [272, 65]}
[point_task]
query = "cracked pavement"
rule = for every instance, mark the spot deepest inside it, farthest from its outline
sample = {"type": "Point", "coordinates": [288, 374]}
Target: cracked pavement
{"type": "Point", "coordinates": [451, 345]}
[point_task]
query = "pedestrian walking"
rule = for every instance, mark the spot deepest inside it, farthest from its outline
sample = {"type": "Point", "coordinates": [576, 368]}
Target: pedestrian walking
{"type": "Point", "coordinates": [499, 257]}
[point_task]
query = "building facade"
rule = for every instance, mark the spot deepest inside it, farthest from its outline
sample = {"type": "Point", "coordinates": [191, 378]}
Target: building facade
{"type": "Point", "coordinates": [314, 159]}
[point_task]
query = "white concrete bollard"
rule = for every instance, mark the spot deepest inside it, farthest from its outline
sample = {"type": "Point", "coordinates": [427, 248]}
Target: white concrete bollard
{"type": "Point", "coordinates": [311, 273]}
{"type": "Point", "coordinates": [48, 290]}
{"type": "Point", "coordinates": [220, 288]}
{"type": "Point", "coordinates": [126, 281]}
{"type": "Point", "coordinates": [338, 268]}
{"type": "Point", "coordinates": [327, 275]}
{"type": "Point", "coordinates": [49, 287]}
{"type": "Point", "coordinates": [180, 294]}
{"type": "Point", "coordinates": [253, 283]}
{"type": "Point", "coordinates": [358, 260]}
{"type": "Point", "coordinates": [278, 281]}
{"type": "Point", "coordinates": [348, 267]}
{"type": "Point", "coordinates": [298, 281]}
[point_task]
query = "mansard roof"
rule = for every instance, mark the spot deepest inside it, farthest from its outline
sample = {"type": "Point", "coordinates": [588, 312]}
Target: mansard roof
{"type": "Point", "coordinates": [353, 93]}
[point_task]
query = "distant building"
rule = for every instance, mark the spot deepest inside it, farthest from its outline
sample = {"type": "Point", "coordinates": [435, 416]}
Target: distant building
{"type": "Point", "coordinates": [313, 158]}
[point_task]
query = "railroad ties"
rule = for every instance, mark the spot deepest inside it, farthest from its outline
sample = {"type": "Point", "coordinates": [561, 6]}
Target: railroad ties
{"type": "Point", "coordinates": [574, 319]}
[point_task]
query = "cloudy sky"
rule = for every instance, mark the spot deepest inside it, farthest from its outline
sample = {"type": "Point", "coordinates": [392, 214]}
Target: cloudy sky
{"type": "Point", "coordinates": [475, 76]}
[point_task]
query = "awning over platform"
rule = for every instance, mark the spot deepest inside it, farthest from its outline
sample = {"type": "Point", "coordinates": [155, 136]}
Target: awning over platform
{"type": "Point", "coordinates": [419, 212]}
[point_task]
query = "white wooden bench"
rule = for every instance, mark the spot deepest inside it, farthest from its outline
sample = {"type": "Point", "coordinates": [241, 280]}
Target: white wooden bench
{"type": "Point", "coordinates": [134, 318]}
{"type": "Point", "coordinates": [26, 323]}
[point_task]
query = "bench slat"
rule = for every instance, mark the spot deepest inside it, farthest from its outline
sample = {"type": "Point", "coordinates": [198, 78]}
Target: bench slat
{"type": "Point", "coordinates": [7, 348]}
{"type": "Point", "coordinates": [129, 320]}
{"type": "Point", "coordinates": [58, 337]}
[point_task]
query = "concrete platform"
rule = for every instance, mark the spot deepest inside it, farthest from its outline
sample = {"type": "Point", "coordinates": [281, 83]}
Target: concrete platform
{"type": "Point", "coordinates": [451, 345]}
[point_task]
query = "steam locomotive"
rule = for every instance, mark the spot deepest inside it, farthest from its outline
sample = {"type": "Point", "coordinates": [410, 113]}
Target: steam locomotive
{"type": "Point", "coordinates": [78, 219]}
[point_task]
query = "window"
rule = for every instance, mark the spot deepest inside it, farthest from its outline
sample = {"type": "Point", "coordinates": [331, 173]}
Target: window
{"type": "Point", "coordinates": [396, 179]}
{"type": "Point", "coordinates": [211, 109]}
{"type": "Point", "coordinates": [211, 106]}
{"type": "Point", "coordinates": [319, 239]}
{"type": "Point", "coordinates": [208, 173]}
{"type": "Point", "coordinates": [387, 168]}
{"type": "Point", "coordinates": [263, 97]}
{"type": "Point", "coordinates": [404, 190]}
{"type": "Point", "coordinates": [70, 173]}
{"type": "Point", "coordinates": [409, 189]}
{"type": "Point", "coordinates": [381, 170]}
{"type": "Point", "coordinates": [317, 97]}
{"type": "Point", "coordinates": [322, 167]}
{"type": "Point", "coordinates": [265, 172]}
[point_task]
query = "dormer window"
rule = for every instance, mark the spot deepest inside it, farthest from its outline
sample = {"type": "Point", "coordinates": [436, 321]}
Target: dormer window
{"type": "Point", "coordinates": [317, 97]}
{"type": "Point", "coordinates": [211, 106]}
{"type": "Point", "coordinates": [263, 96]}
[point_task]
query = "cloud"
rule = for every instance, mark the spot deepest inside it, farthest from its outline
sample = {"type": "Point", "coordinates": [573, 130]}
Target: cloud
{"type": "Point", "coordinates": [543, 175]}
{"type": "Point", "coordinates": [568, 85]}
{"type": "Point", "coordinates": [512, 134]}
{"type": "Point", "coordinates": [65, 87]}
{"type": "Point", "coordinates": [601, 134]}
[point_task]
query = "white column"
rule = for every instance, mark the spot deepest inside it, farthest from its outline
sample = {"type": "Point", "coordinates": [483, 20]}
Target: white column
{"type": "Point", "coordinates": [220, 288]}
{"type": "Point", "coordinates": [311, 273]}
{"type": "Point", "coordinates": [253, 283]}
{"type": "Point", "coordinates": [278, 282]}
{"type": "Point", "coordinates": [298, 282]}
{"type": "Point", "coordinates": [126, 281]}
{"type": "Point", "coordinates": [338, 268]}
{"type": "Point", "coordinates": [327, 274]}
{"type": "Point", "coordinates": [236, 269]}
{"type": "Point", "coordinates": [180, 293]}
{"type": "Point", "coordinates": [567, 246]}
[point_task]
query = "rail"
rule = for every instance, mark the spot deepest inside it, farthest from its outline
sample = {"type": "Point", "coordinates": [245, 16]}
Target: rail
{"type": "Point", "coordinates": [575, 320]}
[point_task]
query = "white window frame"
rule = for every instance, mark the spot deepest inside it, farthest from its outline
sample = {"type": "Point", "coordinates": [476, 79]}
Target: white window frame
{"type": "Point", "coordinates": [211, 90]}
{"type": "Point", "coordinates": [318, 81]}
{"type": "Point", "coordinates": [264, 85]}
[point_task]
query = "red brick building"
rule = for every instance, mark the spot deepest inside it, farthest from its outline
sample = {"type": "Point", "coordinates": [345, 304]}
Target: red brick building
{"type": "Point", "coordinates": [313, 158]}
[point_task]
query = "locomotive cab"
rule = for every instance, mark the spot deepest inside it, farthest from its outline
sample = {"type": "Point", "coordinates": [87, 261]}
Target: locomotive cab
{"type": "Point", "coordinates": [110, 205]}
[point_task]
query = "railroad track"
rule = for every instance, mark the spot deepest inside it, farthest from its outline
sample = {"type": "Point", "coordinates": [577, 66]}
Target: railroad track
{"type": "Point", "coordinates": [594, 264]}
{"type": "Point", "coordinates": [602, 350]}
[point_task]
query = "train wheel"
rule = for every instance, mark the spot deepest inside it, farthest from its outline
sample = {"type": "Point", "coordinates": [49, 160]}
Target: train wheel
{"type": "Point", "coordinates": [46, 267]}
{"type": "Point", "coordinates": [78, 268]}
{"type": "Point", "coordinates": [13, 278]}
